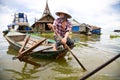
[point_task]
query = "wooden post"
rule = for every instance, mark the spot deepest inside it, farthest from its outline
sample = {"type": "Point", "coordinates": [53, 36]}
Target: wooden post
{"type": "Point", "coordinates": [100, 67]}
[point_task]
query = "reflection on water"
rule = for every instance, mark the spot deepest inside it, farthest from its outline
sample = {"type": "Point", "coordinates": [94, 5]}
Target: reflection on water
{"type": "Point", "coordinates": [11, 51]}
{"type": "Point", "coordinates": [24, 74]}
{"type": "Point", "coordinates": [91, 55]}
{"type": "Point", "coordinates": [29, 72]}
{"type": "Point", "coordinates": [84, 38]}
{"type": "Point", "coordinates": [77, 37]}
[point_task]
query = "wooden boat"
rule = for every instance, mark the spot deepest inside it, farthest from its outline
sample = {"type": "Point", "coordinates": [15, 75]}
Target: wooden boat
{"type": "Point", "coordinates": [16, 40]}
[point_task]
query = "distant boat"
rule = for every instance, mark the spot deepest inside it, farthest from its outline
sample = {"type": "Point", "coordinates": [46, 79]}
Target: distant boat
{"type": "Point", "coordinates": [20, 23]}
{"type": "Point", "coordinates": [116, 30]}
{"type": "Point", "coordinates": [16, 40]}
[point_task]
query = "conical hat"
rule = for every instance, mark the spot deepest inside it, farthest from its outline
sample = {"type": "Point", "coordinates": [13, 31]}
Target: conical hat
{"type": "Point", "coordinates": [63, 12]}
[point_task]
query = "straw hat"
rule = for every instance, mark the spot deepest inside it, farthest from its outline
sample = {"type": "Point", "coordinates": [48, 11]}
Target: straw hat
{"type": "Point", "coordinates": [63, 12]}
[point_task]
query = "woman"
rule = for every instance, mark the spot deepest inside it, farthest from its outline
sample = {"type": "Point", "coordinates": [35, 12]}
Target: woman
{"type": "Point", "coordinates": [63, 27]}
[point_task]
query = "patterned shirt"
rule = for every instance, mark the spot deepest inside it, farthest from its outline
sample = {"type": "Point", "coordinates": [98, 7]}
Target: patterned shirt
{"type": "Point", "coordinates": [58, 27]}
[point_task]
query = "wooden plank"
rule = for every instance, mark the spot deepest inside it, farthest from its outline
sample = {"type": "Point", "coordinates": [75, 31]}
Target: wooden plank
{"type": "Point", "coordinates": [34, 40]}
{"type": "Point", "coordinates": [42, 49]}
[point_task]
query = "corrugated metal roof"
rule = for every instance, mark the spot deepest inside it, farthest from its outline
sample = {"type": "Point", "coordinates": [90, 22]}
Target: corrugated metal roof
{"type": "Point", "coordinates": [74, 22]}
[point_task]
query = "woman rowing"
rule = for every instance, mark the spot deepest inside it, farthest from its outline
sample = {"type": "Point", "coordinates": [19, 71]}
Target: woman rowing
{"type": "Point", "coordinates": [63, 27]}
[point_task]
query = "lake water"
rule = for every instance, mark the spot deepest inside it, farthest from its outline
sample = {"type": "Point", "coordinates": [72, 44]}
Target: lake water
{"type": "Point", "coordinates": [92, 51]}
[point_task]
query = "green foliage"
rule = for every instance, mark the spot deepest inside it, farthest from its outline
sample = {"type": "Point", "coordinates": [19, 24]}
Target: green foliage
{"type": "Point", "coordinates": [114, 36]}
{"type": "Point", "coordinates": [45, 35]}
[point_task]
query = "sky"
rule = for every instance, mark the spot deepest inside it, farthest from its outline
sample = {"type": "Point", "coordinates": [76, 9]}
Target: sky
{"type": "Point", "coordinates": [101, 13]}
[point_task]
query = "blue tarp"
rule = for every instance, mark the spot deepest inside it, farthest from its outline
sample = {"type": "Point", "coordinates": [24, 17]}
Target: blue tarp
{"type": "Point", "coordinates": [21, 15]}
{"type": "Point", "coordinates": [27, 28]}
{"type": "Point", "coordinates": [75, 28]}
{"type": "Point", "coordinates": [96, 31]}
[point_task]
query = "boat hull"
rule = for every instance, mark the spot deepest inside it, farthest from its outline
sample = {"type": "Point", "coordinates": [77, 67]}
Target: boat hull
{"type": "Point", "coordinates": [50, 54]}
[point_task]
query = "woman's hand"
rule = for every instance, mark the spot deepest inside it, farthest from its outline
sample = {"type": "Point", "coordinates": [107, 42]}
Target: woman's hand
{"type": "Point", "coordinates": [64, 40]}
{"type": "Point", "coordinates": [50, 25]}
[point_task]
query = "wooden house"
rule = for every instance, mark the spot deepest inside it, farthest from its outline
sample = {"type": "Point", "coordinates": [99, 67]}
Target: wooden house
{"type": "Point", "coordinates": [95, 30]}
{"type": "Point", "coordinates": [84, 28]}
{"type": "Point", "coordinates": [89, 29]}
{"type": "Point", "coordinates": [41, 24]}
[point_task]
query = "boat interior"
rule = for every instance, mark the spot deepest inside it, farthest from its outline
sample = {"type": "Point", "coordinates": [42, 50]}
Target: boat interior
{"type": "Point", "coordinates": [32, 41]}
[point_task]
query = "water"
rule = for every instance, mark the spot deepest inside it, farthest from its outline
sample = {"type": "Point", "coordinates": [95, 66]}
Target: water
{"type": "Point", "coordinates": [92, 51]}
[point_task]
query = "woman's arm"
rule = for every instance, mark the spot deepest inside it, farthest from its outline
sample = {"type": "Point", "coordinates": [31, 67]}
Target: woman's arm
{"type": "Point", "coordinates": [66, 35]}
{"type": "Point", "coordinates": [64, 40]}
{"type": "Point", "coordinates": [69, 26]}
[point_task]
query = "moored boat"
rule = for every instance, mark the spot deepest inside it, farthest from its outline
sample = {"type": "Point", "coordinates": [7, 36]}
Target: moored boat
{"type": "Point", "coordinates": [20, 23]}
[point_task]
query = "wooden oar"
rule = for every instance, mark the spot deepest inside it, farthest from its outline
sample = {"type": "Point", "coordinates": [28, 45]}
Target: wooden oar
{"type": "Point", "coordinates": [21, 56]}
{"type": "Point", "coordinates": [69, 49]}
{"type": "Point", "coordinates": [26, 41]}
{"type": "Point", "coordinates": [100, 67]}
{"type": "Point", "coordinates": [22, 48]}
{"type": "Point", "coordinates": [24, 58]}
{"type": "Point", "coordinates": [23, 53]}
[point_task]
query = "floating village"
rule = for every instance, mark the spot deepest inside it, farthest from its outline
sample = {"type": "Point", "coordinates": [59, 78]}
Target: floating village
{"type": "Point", "coordinates": [21, 37]}
{"type": "Point", "coordinates": [21, 24]}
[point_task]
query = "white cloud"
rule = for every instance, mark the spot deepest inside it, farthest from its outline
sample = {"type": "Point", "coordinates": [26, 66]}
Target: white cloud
{"type": "Point", "coordinates": [5, 17]}
{"type": "Point", "coordinates": [96, 12]}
